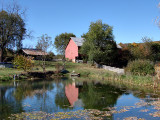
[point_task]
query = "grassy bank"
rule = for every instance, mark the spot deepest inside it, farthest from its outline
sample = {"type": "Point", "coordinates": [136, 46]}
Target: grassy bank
{"type": "Point", "coordinates": [132, 82]}
{"type": "Point", "coordinates": [103, 75]}
{"type": "Point", "coordinates": [7, 73]}
{"type": "Point", "coordinates": [89, 72]}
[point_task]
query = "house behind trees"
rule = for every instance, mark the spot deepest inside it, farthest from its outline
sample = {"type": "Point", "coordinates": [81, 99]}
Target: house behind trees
{"type": "Point", "coordinates": [35, 53]}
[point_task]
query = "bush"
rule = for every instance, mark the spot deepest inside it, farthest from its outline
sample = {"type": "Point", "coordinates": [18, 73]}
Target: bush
{"type": "Point", "coordinates": [140, 67]}
{"type": "Point", "coordinates": [6, 78]}
{"type": "Point", "coordinates": [58, 67]}
{"type": "Point", "coordinates": [22, 62]}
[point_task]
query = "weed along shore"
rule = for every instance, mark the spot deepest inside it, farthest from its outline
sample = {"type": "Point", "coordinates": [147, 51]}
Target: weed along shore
{"type": "Point", "coordinates": [36, 72]}
{"type": "Point", "coordinates": [53, 69]}
{"type": "Point", "coordinates": [101, 75]}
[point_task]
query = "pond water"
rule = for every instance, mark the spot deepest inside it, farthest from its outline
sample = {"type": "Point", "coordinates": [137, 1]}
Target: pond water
{"type": "Point", "coordinates": [103, 101]}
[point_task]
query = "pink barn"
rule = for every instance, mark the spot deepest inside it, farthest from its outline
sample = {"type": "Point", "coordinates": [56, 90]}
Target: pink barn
{"type": "Point", "coordinates": [73, 47]}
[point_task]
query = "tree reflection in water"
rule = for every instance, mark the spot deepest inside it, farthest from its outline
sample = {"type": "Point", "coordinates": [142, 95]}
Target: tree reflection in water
{"type": "Point", "coordinates": [30, 89]}
{"type": "Point", "coordinates": [58, 96]}
{"type": "Point", "coordinates": [8, 104]}
{"type": "Point", "coordinates": [98, 96]}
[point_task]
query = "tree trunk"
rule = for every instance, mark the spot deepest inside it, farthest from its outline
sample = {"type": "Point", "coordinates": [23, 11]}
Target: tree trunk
{"type": "Point", "coordinates": [64, 65]}
{"type": "Point", "coordinates": [44, 67]}
{"type": "Point", "coordinates": [1, 54]}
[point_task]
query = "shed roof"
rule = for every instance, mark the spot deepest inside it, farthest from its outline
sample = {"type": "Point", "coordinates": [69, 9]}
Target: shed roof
{"type": "Point", "coordinates": [78, 41]}
{"type": "Point", "coordinates": [34, 52]}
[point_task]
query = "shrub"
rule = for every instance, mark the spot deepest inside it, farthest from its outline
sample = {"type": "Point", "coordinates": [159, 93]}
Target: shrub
{"type": "Point", "coordinates": [6, 78]}
{"type": "Point", "coordinates": [58, 67]}
{"type": "Point", "coordinates": [140, 67]}
{"type": "Point", "coordinates": [157, 70]}
{"type": "Point", "coordinates": [22, 62]}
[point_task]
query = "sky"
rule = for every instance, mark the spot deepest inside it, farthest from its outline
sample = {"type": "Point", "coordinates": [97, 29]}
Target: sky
{"type": "Point", "coordinates": [131, 19]}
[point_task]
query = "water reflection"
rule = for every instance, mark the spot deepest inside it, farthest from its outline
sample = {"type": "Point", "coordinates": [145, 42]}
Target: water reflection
{"type": "Point", "coordinates": [97, 96]}
{"type": "Point", "coordinates": [71, 93]}
{"type": "Point", "coordinates": [61, 96]}
{"type": "Point", "coordinates": [8, 104]}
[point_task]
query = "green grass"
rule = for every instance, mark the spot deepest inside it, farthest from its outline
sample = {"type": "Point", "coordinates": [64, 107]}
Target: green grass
{"type": "Point", "coordinates": [50, 65]}
{"type": "Point", "coordinates": [9, 71]}
{"type": "Point", "coordinates": [87, 72]}
{"type": "Point", "coordinates": [102, 75]}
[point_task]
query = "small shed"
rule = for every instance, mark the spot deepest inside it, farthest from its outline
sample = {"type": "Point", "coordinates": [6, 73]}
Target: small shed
{"type": "Point", "coordinates": [36, 53]}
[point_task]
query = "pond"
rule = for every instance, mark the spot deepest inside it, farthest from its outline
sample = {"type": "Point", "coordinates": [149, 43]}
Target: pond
{"type": "Point", "coordinates": [70, 99]}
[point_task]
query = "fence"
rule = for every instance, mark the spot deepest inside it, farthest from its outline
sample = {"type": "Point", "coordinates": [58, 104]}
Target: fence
{"type": "Point", "coordinates": [113, 69]}
{"type": "Point", "coordinates": [6, 65]}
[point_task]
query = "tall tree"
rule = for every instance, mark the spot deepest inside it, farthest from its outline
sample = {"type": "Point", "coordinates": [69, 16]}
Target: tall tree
{"type": "Point", "coordinates": [12, 30]}
{"type": "Point", "coordinates": [99, 43]}
{"type": "Point", "coordinates": [44, 43]}
{"type": "Point", "coordinates": [61, 42]}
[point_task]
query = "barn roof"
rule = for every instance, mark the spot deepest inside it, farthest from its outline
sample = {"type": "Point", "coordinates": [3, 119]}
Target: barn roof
{"type": "Point", "coordinates": [34, 52]}
{"type": "Point", "coordinates": [78, 41]}
{"type": "Point", "coordinates": [118, 46]}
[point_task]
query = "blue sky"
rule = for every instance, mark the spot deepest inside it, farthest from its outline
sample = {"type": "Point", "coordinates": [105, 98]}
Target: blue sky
{"type": "Point", "coordinates": [131, 19]}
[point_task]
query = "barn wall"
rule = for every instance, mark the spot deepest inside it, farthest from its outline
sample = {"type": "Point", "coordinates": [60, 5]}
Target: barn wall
{"type": "Point", "coordinates": [71, 51]}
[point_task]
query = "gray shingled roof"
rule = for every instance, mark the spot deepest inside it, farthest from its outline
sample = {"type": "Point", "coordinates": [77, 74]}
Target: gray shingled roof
{"type": "Point", "coordinates": [78, 41]}
{"type": "Point", "coordinates": [118, 46]}
{"type": "Point", "coordinates": [34, 52]}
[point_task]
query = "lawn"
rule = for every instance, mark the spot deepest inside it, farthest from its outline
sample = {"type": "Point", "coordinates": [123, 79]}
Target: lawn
{"type": "Point", "coordinates": [86, 71]}
{"type": "Point", "coordinates": [7, 73]}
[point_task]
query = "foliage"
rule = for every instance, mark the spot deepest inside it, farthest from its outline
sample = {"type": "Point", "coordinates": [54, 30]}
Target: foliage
{"type": "Point", "coordinates": [58, 67]}
{"type": "Point", "coordinates": [6, 78]}
{"type": "Point", "coordinates": [148, 49]}
{"type": "Point", "coordinates": [12, 30]}
{"type": "Point", "coordinates": [44, 43]}
{"type": "Point", "coordinates": [157, 70]}
{"type": "Point", "coordinates": [22, 62]}
{"type": "Point", "coordinates": [99, 44]}
{"type": "Point", "coordinates": [50, 56]}
{"type": "Point", "coordinates": [140, 67]}
{"type": "Point", "coordinates": [155, 52]}
{"type": "Point", "coordinates": [123, 57]}
{"type": "Point", "coordinates": [8, 55]}
{"type": "Point", "coordinates": [61, 42]}
{"type": "Point", "coordinates": [59, 56]}
{"type": "Point", "coordinates": [141, 50]}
